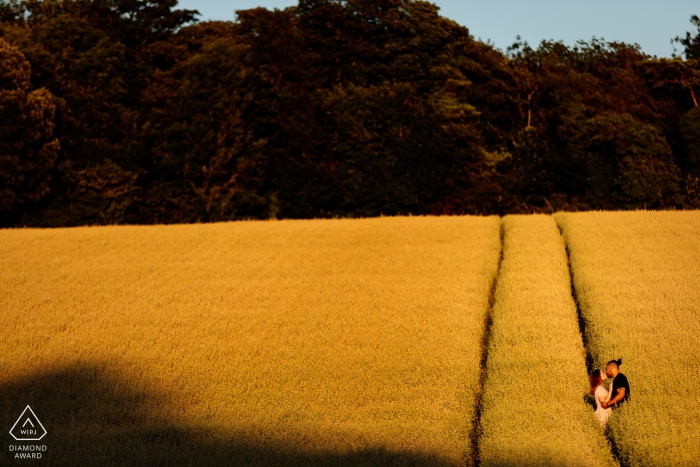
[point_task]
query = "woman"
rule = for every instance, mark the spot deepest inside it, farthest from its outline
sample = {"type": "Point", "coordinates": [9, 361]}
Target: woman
{"type": "Point", "coordinates": [601, 395]}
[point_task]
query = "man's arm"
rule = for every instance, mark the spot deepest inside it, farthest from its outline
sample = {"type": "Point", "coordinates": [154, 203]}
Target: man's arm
{"type": "Point", "coordinates": [618, 397]}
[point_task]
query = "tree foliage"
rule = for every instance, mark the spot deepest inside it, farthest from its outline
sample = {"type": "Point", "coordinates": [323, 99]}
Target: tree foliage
{"type": "Point", "coordinates": [28, 149]}
{"type": "Point", "coordinates": [134, 112]}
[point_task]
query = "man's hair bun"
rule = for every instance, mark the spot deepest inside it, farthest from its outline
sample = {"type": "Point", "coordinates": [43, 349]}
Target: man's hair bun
{"type": "Point", "coordinates": [619, 362]}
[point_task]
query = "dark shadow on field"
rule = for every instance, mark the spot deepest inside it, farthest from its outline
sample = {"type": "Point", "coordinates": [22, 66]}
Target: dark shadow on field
{"type": "Point", "coordinates": [96, 419]}
{"type": "Point", "coordinates": [589, 399]}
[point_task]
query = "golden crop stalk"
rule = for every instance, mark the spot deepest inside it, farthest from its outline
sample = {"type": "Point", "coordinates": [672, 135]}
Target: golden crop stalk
{"type": "Point", "coordinates": [533, 410]}
{"type": "Point", "coordinates": [265, 343]}
{"type": "Point", "coordinates": [637, 276]}
{"type": "Point", "coordinates": [346, 342]}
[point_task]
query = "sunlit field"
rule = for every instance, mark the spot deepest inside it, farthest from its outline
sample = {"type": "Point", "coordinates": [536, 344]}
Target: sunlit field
{"type": "Point", "coordinates": [534, 413]}
{"type": "Point", "coordinates": [371, 342]}
{"type": "Point", "coordinates": [338, 342]}
{"type": "Point", "coordinates": [637, 275]}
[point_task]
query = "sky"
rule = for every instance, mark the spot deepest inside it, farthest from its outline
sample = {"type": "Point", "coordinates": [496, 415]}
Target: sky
{"type": "Point", "coordinates": [650, 23]}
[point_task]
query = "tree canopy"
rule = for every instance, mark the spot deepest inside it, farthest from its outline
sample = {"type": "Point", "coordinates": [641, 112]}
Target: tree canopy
{"type": "Point", "coordinates": [132, 111]}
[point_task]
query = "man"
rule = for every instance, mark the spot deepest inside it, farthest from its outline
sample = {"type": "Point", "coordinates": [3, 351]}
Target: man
{"type": "Point", "coordinates": [620, 389]}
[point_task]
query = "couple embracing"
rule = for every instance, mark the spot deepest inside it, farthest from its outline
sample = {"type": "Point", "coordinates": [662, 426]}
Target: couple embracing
{"type": "Point", "coordinates": [607, 400]}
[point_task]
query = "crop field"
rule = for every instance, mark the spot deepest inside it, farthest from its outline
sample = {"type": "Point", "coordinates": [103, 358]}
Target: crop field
{"type": "Point", "coordinates": [407, 341]}
{"type": "Point", "coordinates": [339, 342]}
{"type": "Point", "coordinates": [533, 410]}
{"type": "Point", "coordinates": [637, 278]}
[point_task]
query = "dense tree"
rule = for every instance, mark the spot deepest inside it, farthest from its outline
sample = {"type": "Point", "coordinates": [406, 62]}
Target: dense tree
{"type": "Point", "coordinates": [204, 156]}
{"type": "Point", "coordinates": [96, 57]}
{"type": "Point", "coordinates": [371, 106]}
{"type": "Point", "coordinates": [627, 162]}
{"type": "Point", "coordinates": [130, 111]}
{"type": "Point", "coordinates": [28, 148]}
{"type": "Point", "coordinates": [691, 42]}
{"type": "Point", "coordinates": [690, 129]}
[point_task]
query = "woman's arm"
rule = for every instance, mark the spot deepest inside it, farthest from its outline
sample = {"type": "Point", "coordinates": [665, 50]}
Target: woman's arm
{"type": "Point", "coordinates": [599, 397]}
{"type": "Point", "coordinates": [618, 397]}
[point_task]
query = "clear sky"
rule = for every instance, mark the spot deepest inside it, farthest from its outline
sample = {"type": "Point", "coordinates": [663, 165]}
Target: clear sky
{"type": "Point", "coordinates": [649, 23]}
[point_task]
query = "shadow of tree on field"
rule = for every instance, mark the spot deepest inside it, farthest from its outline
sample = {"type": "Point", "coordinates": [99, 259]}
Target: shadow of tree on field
{"type": "Point", "coordinates": [95, 419]}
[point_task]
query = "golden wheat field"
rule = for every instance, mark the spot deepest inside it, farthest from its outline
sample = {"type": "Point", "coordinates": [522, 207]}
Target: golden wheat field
{"type": "Point", "coordinates": [533, 410]}
{"type": "Point", "coordinates": [637, 277]}
{"type": "Point", "coordinates": [414, 341]}
{"type": "Point", "coordinates": [339, 342]}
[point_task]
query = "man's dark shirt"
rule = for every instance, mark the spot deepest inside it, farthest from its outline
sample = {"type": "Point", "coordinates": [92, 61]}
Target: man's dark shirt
{"type": "Point", "coordinates": [620, 381]}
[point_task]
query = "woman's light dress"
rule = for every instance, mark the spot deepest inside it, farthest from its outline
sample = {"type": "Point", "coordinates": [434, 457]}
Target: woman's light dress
{"type": "Point", "coordinates": [603, 415]}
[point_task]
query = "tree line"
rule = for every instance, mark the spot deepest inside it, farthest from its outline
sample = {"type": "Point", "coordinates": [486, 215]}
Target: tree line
{"type": "Point", "coordinates": [132, 111]}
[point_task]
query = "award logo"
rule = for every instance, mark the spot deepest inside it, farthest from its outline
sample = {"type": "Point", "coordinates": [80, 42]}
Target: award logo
{"type": "Point", "coordinates": [27, 428]}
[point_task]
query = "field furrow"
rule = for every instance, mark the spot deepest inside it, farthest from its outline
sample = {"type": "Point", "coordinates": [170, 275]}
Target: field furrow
{"type": "Point", "coordinates": [339, 342]}
{"type": "Point", "coordinates": [637, 279]}
{"type": "Point", "coordinates": [533, 411]}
